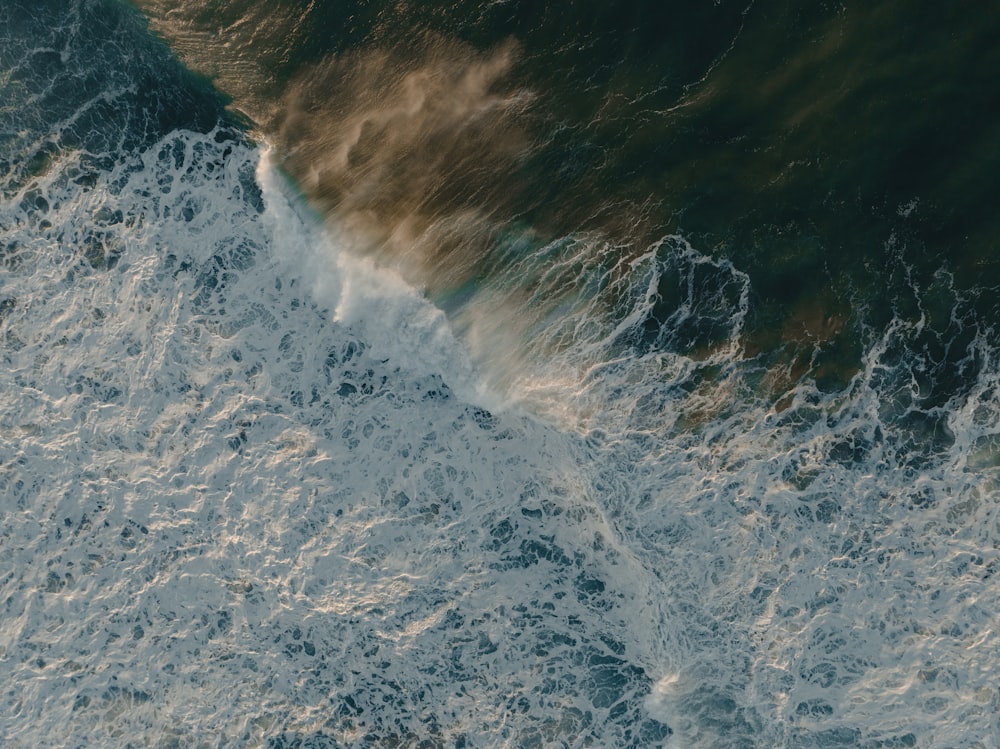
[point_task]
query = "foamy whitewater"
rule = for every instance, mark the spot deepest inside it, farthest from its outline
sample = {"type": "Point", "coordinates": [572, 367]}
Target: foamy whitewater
{"type": "Point", "coordinates": [257, 492]}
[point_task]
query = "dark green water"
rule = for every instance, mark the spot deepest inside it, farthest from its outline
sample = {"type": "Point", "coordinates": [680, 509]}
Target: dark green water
{"type": "Point", "coordinates": [76, 67]}
{"type": "Point", "coordinates": [844, 155]}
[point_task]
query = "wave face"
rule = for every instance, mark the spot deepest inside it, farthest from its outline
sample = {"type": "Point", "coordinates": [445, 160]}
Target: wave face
{"type": "Point", "coordinates": [282, 466]}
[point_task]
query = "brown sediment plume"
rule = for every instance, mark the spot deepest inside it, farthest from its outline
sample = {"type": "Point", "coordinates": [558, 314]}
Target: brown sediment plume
{"type": "Point", "coordinates": [415, 147]}
{"type": "Point", "coordinates": [815, 339]}
{"type": "Point", "coordinates": [412, 153]}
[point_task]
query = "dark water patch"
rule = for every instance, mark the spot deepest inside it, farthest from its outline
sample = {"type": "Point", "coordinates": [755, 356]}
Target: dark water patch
{"type": "Point", "coordinates": [828, 152]}
{"type": "Point", "coordinates": [85, 77]}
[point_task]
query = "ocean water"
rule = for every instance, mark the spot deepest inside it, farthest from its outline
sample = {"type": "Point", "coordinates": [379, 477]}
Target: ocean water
{"type": "Point", "coordinates": [498, 375]}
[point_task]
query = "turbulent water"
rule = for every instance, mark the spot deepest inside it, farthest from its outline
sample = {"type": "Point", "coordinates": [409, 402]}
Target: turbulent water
{"type": "Point", "coordinates": [498, 375]}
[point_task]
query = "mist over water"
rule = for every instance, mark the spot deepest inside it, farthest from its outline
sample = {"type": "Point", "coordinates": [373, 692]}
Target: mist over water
{"type": "Point", "coordinates": [486, 375]}
{"type": "Point", "coordinates": [828, 152]}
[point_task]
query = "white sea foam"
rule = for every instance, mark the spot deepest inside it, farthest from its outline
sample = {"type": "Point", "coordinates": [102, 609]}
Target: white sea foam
{"type": "Point", "coordinates": [252, 497]}
{"type": "Point", "coordinates": [229, 517]}
{"type": "Point", "coordinates": [392, 317]}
